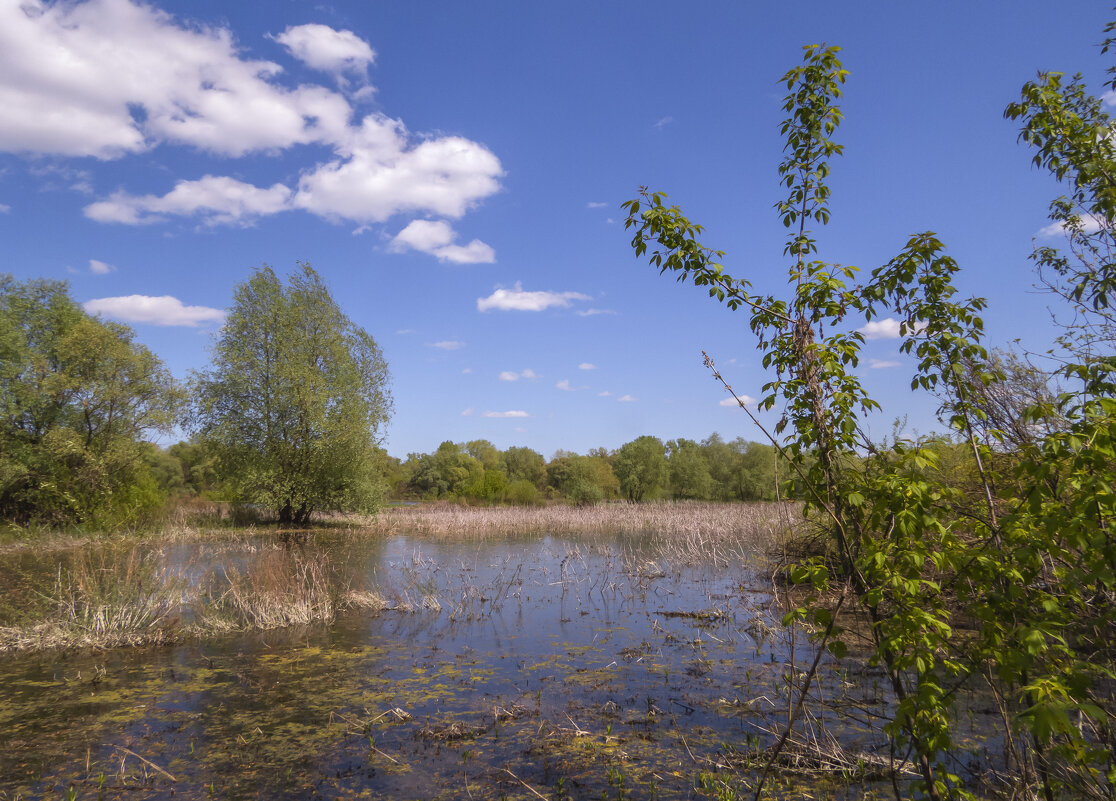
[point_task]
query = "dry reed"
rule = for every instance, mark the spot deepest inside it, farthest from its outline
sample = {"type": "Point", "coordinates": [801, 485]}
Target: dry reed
{"type": "Point", "coordinates": [692, 526]}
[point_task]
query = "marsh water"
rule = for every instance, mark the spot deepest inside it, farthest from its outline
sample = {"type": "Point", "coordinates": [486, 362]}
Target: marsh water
{"type": "Point", "coordinates": [518, 668]}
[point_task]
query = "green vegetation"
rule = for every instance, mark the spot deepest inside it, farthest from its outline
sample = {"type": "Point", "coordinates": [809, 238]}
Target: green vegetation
{"type": "Point", "coordinates": [294, 400]}
{"type": "Point", "coordinates": [77, 395]}
{"type": "Point", "coordinates": [1006, 537]}
{"type": "Point", "coordinates": [641, 470]}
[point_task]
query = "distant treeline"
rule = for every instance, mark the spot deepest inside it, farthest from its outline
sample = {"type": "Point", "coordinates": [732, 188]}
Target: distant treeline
{"type": "Point", "coordinates": [646, 468]}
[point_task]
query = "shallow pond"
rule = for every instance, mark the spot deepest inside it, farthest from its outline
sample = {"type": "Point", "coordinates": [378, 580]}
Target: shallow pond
{"type": "Point", "coordinates": [530, 668]}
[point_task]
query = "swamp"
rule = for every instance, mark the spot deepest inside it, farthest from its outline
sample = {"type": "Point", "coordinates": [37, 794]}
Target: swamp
{"type": "Point", "coordinates": [438, 652]}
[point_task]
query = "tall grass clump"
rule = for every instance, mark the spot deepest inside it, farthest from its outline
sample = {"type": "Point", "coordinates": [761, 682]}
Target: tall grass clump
{"type": "Point", "coordinates": [105, 599]}
{"type": "Point", "coordinates": [281, 589]}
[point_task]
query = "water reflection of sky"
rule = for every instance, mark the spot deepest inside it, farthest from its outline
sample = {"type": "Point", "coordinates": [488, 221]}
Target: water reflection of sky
{"type": "Point", "coordinates": [578, 661]}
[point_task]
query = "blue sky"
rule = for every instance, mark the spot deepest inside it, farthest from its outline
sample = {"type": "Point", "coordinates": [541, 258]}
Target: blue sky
{"type": "Point", "coordinates": [454, 171]}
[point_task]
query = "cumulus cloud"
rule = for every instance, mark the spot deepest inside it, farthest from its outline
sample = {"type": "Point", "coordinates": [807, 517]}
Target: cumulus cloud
{"type": "Point", "coordinates": [888, 328]}
{"type": "Point", "coordinates": [107, 78]}
{"type": "Point", "coordinates": [586, 366]}
{"type": "Point", "coordinates": [604, 394]}
{"type": "Point", "coordinates": [216, 200]}
{"type": "Point", "coordinates": [324, 48]}
{"type": "Point", "coordinates": [626, 399]}
{"type": "Point", "coordinates": [99, 267]}
{"type": "Point", "coordinates": [162, 310]}
{"type": "Point", "coordinates": [468, 412]}
{"type": "Point", "coordinates": [592, 312]}
{"type": "Point", "coordinates": [449, 344]}
{"type": "Point", "coordinates": [564, 385]}
{"type": "Point", "coordinates": [748, 401]}
{"type": "Point", "coordinates": [512, 413]}
{"type": "Point", "coordinates": [378, 174]}
{"type": "Point", "coordinates": [518, 299]}
{"type": "Point", "coordinates": [436, 238]}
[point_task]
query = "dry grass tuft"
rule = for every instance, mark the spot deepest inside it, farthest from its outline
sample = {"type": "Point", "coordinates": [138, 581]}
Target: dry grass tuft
{"type": "Point", "coordinates": [282, 589]}
{"type": "Point", "coordinates": [104, 600]}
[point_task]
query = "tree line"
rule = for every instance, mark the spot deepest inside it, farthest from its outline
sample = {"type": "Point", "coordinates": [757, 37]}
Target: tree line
{"type": "Point", "coordinates": [647, 468]}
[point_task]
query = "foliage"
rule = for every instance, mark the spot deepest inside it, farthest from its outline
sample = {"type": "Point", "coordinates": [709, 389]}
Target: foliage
{"type": "Point", "coordinates": [77, 394]}
{"type": "Point", "coordinates": [295, 400]}
{"type": "Point", "coordinates": [1020, 543]}
{"type": "Point", "coordinates": [641, 466]}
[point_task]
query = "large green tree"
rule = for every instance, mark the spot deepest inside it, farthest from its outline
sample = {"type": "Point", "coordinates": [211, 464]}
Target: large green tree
{"type": "Point", "coordinates": [296, 399]}
{"type": "Point", "coordinates": [77, 395]}
{"type": "Point", "coordinates": [641, 466]}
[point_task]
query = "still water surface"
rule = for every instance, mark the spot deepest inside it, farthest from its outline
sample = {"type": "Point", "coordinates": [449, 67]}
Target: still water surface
{"type": "Point", "coordinates": [553, 667]}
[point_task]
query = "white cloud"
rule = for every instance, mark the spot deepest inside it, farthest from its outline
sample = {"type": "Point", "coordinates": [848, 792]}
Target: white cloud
{"type": "Point", "coordinates": [1090, 224]}
{"type": "Point", "coordinates": [626, 399]}
{"type": "Point", "coordinates": [436, 238]}
{"type": "Point", "coordinates": [586, 366]}
{"type": "Point", "coordinates": [405, 331]}
{"type": "Point", "coordinates": [468, 412]}
{"type": "Point", "coordinates": [1109, 98]}
{"type": "Point", "coordinates": [449, 344]}
{"type": "Point", "coordinates": [663, 122]}
{"type": "Point", "coordinates": [513, 413]}
{"type": "Point", "coordinates": [564, 385]}
{"type": "Point", "coordinates": [5, 208]}
{"type": "Point", "coordinates": [377, 175]}
{"type": "Point", "coordinates": [99, 267]}
{"type": "Point", "coordinates": [162, 310]}
{"type": "Point", "coordinates": [879, 364]}
{"type": "Point", "coordinates": [517, 299]}
{"type": "Point", "coordinates": [592, 312]}
{"type": "Point", "coordinates": [106, 78]}
{"type": "Point", "coordinates": [109, 77]}
{"type": "Point", "coordinates": [888, 328]}
{"type": "Point", "coordinates": [748, 401]}
{"type": "Point", "coordinates": [216, 200]}
{"type": "Point", "coordinates": [594, 205]}
{"type": "Point", "coordinates": [324, 48]}
{"type": "Point", "coordinates": [509, 375]}
{"type": "Point", "coordinates": [604, 394]}
{"type": "Point", "coordinates": [466, 371]}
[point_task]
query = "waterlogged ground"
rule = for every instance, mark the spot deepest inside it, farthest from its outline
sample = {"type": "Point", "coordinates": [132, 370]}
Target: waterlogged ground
{"type": "Point", "coordinates": [552, 668]}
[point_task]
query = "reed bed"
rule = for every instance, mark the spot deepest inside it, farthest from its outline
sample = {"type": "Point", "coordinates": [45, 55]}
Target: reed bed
{"type": "Point", "coordinates": [692, 525]}
{"type": "Point", "coordinates": [129, 597]}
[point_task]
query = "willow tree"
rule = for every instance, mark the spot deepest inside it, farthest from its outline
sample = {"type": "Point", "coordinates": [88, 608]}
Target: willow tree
{"type": "Point", "coordinates": [296, 399]}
